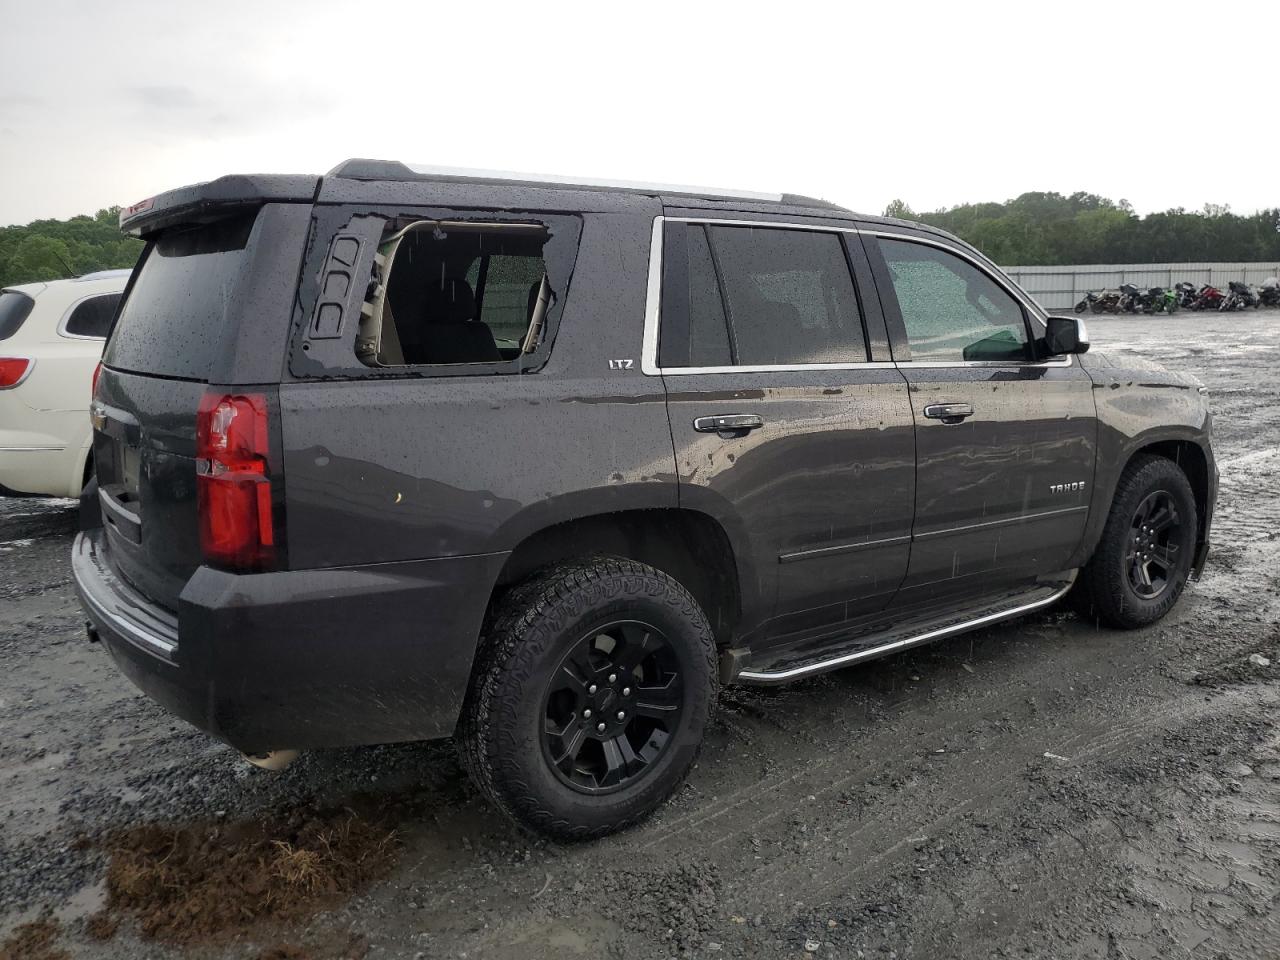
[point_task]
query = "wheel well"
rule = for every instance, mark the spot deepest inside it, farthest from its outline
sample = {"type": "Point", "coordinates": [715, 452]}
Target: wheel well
{"type": "Point", "coordinates": [689, 546]}
{"type": "Point", "coordinates": [1192, 461]}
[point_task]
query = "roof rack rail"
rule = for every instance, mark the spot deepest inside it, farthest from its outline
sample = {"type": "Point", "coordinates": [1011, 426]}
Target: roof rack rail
{"type": "Point", "coordinates": [357, 169]}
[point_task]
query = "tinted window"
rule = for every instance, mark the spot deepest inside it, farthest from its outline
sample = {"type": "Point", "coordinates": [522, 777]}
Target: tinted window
{"type": "Point", "coordinates": [708, 329]}
{"type": "Point", "coordinates": [14, 308]}
{"type": "Point", "coordinates": [951, 309]}
{"type": "Point", "coordinates": [790, 296]}
{"type": "Point", "coordinates": [173, 320]}
{"type": "Point", "coordinates": [92, 317]}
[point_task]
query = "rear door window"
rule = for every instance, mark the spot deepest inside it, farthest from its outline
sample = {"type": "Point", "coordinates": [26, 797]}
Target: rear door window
{"type": "Point", "coordinates": [92, 317]}
{"type": "Point", "coordinates": [172, 323]}
{"type": "Point", "coordinates": [758, 297]}
{"type": "Point", "coordinates": [789, 296]}
{"type": "Point", "coordinates": [14, 309]}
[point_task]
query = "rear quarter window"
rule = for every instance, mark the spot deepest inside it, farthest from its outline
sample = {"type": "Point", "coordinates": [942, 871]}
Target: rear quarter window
{"type": "Point", "coordinates": [14, 309]}
{"type": "Point", "coordinates": [173, 321]}
{"type": "Point", "coordinates": [92, 317]}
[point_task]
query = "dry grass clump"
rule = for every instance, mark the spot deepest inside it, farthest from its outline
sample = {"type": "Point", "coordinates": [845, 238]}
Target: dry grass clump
{"type": "Point", "coordinates": [201, 881]}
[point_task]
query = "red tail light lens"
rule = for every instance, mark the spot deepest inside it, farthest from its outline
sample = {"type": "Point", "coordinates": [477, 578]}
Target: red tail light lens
{"type": "Point", "coordinates": [13, 370]}
{"type": "Point", "coordinates": [233, 490]}
{"type": "Point", "coordinates": [93, 387]}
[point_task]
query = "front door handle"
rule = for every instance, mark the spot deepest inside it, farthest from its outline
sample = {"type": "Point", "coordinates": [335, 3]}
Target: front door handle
{"type": "Point", "coordinates": [733, 423]}
{"type": "Point", "coordinates": [949, 412]}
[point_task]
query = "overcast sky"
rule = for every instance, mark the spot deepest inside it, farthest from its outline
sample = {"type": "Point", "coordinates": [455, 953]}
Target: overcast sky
{"type": "Point", "coordinates": [939, 104]}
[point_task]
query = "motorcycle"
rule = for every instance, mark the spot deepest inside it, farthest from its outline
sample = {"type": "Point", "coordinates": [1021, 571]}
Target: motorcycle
{"type": "Point", "coordinates": [1240, 296]}
{"type": "Point", "coordinates": [1186, 293]}
{"type": "Point", "coordinates": [1104, 301]}
{"type": "Point", "coordinates": [1269, 292]}
{"type": "Point", "coordinates": [1130, 299]}
{"type": "Point", "coordinates": [1163, 301]}
{"type": "Point", "coordinates": [1208, 297]}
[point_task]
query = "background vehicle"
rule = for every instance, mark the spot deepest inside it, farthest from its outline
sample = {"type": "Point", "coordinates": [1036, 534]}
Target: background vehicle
{"type": "Point", "coordinates": [51, 337]}
{"type": "Point", "coordinates": [1208, 298]}
{"type": "Point", "coordinates": [1239, 296]}
{"type": "Point", "coordinates": [372, 469]}
{"type": "Point", "coordinates": [1186, 293]}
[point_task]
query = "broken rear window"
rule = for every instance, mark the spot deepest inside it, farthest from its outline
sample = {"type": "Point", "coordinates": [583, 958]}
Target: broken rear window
{"type": "Point", "coordinates": [456, 293]}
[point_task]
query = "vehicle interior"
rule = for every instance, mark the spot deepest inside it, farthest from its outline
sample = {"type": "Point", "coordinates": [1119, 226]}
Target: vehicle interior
{"type": "Point", "coordinates": [454, 293]}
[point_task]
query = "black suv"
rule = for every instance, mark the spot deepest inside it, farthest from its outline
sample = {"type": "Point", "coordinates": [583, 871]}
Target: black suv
{"type": "Point", "coordinates": [391, 454]}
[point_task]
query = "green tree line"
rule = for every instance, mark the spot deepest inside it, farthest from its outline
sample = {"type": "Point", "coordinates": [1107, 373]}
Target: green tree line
{"type": "Point", "coordinates": [1035, 228]}
{"type": "Point", "coordinates": [1049, 228]}
{"type": "Point", "coordinates": [53, 249]}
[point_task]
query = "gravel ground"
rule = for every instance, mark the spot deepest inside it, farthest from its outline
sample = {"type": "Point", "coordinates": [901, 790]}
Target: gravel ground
{"type": "Point", "coordinates": [1042, 789]}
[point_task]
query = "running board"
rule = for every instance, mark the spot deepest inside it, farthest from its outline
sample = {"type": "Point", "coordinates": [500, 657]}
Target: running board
{"type": "Point", "coordinates": [793, 668]}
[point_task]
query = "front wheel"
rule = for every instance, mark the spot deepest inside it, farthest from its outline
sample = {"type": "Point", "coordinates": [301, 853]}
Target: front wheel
{"type": "Point", "coordinates": [1143, 560]}
{"type": "Point", "coordinates": [590, 699]}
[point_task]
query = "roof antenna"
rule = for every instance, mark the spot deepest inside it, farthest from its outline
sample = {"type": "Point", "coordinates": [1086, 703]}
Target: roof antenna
{"type": "Point", "coordinates": [71, 274]}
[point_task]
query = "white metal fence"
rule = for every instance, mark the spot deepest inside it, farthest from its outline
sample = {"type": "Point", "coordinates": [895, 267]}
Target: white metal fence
{"type": "Point", "coordinates": [1058, 288]}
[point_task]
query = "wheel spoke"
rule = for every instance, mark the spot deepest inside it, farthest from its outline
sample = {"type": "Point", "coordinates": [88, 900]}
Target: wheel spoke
{"type": "Point", "coordinates": [1144, 573]}
{"type": "Point", "coordinates": [565, 743]}
{"type": "Point", "coordinates": [660, 702]}
{"type": "Point", "coordinates": [1163, 518]}
{"type": "Point", "coordinates": [578, 671]}
{"type": "Point", "coordinates": [620, 760]}
{"type": "Point", "coordinates": [1165, 556]}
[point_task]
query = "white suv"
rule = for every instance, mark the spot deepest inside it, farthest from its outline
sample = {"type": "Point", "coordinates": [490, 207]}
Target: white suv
{"type": "Point", "coordinates": [51, 337]}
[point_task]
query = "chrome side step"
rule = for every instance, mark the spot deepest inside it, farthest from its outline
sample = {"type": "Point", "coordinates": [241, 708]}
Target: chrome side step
{"type": "Point", "coordinates": [769, 677]}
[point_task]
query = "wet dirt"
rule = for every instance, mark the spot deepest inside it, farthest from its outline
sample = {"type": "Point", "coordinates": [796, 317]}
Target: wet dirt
{"type": "Point", "coordinates": [1043, 788]}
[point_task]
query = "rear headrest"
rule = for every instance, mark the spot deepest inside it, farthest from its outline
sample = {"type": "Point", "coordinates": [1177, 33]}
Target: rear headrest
{"type": "Point", "coordinates": [450, 301]}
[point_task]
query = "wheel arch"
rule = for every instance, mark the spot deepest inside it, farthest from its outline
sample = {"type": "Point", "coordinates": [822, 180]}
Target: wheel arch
{"type": "Point", "coordinates": [1190, 452]}
{"type": "Point", "coordinates": [689, 545]}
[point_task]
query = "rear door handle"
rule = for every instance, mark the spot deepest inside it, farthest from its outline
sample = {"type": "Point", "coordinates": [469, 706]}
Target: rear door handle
{"type": "Point", "coordinates": [729, 423]}
{"type": "Point", "coordinates": [948, 412]}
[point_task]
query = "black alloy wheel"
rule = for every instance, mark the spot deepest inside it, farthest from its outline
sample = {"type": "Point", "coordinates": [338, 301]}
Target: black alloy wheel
{"type": "Point", "coordinates": [612, 706]}
{"type": "Point", "coordinates": [1155, 540]}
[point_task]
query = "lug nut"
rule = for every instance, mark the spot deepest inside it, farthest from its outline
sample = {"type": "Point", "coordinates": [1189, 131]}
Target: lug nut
{"type": "Point", "coordinates": [613, 678]}
{"type": "Point", "coordinates": [592, 688]}
{"type": "Point", "coordinates": [626, 691]}
{"type": "Point", "coordinates": [600, 727]}
{"type": "Point", "coordinates": [622, 715]}
{"type": "Point", "coordinates": [586, 714]}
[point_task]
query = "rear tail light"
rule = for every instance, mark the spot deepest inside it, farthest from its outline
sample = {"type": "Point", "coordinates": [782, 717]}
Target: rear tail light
{"type": "Point", "coordinates": [233, 489]}
{"type": "Point", "coordinates": [93, 387]}
{"type": "Point", "coordinates": [13, 370]}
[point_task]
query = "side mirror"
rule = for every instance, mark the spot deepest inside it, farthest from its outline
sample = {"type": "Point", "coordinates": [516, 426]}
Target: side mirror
{"type": "Point", "coordinates": [1066, 335]}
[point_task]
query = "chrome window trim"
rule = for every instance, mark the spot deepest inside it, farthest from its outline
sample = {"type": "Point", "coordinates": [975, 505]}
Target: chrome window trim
{"type": "Point", "coordinates": [66, 317]}
{"type": "Point", "coordinates": [653, 306]}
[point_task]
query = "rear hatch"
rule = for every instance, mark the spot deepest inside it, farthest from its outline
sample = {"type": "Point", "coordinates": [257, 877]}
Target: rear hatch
{"type": "Point", "coordinates": [184, 334]}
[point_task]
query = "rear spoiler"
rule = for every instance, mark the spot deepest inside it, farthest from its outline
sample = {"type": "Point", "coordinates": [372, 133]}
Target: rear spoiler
{"type": "Point", "coordinates": [202, 202]}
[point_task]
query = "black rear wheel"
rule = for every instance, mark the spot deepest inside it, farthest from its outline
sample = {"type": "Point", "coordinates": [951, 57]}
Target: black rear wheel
{"type": "Point", "coordinates": [590, 698]}
{"type": "Point", "coordinates": [1143, 560]}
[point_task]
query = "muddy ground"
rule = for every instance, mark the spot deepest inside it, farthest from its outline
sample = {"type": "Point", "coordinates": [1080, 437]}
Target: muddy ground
{"type": "Point", "coordinates": [1039, 789]}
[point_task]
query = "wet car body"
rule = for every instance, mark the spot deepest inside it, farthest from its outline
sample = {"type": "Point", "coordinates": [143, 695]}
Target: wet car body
{"type": "Point", "coordinates": [843, 522]}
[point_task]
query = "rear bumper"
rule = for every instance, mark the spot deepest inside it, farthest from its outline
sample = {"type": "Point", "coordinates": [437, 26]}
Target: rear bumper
{"type": "Point", "coordinates": [41, 471]}
{"type": "Point", "coordinates": [299, 659]}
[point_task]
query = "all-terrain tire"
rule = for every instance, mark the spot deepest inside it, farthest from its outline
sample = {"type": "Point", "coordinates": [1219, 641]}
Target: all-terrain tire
{"type": "Point", "coordinates": [528, 635]}
{"type": "Point", "coordinates": [1104, 591]}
